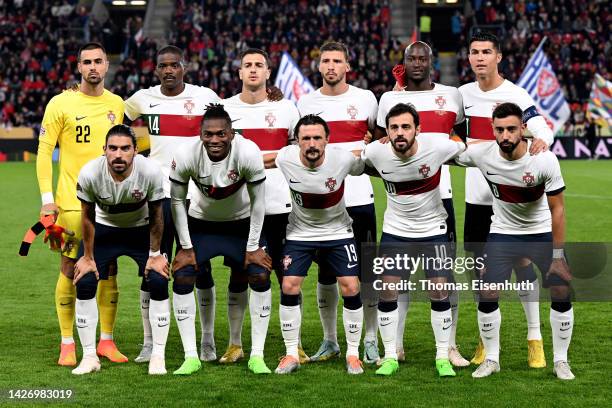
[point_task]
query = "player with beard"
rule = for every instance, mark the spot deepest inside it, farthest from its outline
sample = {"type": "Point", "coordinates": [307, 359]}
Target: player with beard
{"type": "Point", "coordinates": [78, 123]}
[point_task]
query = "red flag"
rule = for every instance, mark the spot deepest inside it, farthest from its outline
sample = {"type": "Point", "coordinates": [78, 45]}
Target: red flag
{"type": "Point", "coordinates": [414, 36]}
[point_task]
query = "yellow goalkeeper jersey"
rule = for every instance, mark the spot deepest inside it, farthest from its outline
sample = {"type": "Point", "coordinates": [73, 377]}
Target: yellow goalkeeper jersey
{"type": "Point", "coordinates": [78, 123]}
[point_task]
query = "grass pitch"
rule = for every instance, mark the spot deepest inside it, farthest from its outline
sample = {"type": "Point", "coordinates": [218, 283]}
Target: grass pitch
{"type": "Point", "coordinates": [30, 334]}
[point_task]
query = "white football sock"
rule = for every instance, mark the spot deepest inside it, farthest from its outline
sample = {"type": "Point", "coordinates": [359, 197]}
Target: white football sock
{"type": "Point", "coordinates": [159, 319]}
{"type": "Point", "coordinates": [145, 298]}
{"type": "Point", "coordinates": [184, 313]}
{"type": "Point", "coordinates": [387, 325]}
{"type": "Point", "coordinates": [260, 307]}
{"type": "Point", "coordinates": [489, 325]}
{"type": "Point", "coordinates": [236, 306]}
{"type": "Point", "coordinates": [562, 325]}
{"type": "Point", "coordinates": [327, 297]}
{"type": "Point", "coordinates": [403, 303]}
{"type": "Point", "coordinates": [370, 319]}
{"type": "Point", "coordinates": [206, 306]}
{"type": "Point", "coordinates": [441, 323]}
{"type": "Point", "coordinates": [453, 298]}
{"type": "Point", "coordinates": [531, 307]}
{"type": "Point", "coordinates": [87, 322]}
{"type": "Point", "coordinates": [290, 319]}
{"type": "Point", "coordinates": [353, 324]}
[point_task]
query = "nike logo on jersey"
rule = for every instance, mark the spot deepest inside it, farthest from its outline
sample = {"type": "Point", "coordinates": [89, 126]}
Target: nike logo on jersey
{"type": "Point", "coordinates": [80, 117]}
{"type": "Point", "coordinates": [152, 105]}
{"type": "Point", "coordinates": [491, 174]}
{"type": "Point", "coordinates": [386, 172]}
{"type": "Point", "coordinates": [293, 181]}
{"type": "Point", "coordinates": [468, 107]}
{"type": "Point", "coordinates": [351, 266]}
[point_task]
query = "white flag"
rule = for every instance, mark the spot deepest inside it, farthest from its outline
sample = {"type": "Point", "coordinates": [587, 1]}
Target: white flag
{"type": "Point", "coordinates": [540, 81]}
{"type": "Point", "coordinates": [290, 79]}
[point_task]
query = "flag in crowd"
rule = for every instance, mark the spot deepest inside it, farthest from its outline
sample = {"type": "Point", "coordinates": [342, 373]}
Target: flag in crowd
{"type": "Point", "coordinates": [600, 101]}
{"type": "Point", "coordinates": [290, 79]}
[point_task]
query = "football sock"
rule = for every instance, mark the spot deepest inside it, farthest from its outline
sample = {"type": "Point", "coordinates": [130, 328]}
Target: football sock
{"type": "Point", "coordinates": [370, 319]}
{"type": "Point", "coordinates": [387, 325]}
{"type": "Point", "coordinates": [87, 323]}
{"type": "Point", "coordinates": [441, 323]}
{"type": "Point", "coordinates": [159, 316]}
{"type": "Point", "coordinates": [65, 296]}
{"type": "Point", "coordinates": [403, 303]}
{"type": "Point", "coordinates": [531, 307]}
{"type": "Point", "coordinates": [108, 296]}
{"type": "Point", "coordinates": [453, 298]}
{"type": "Point", "coordinates": [260, 307]}
{"type": "Point", "coordinates": [489, 325]}
{"type": "Point", "coordinates": [184, 313]}
{"type": "Point", "coordinates": [145, 299]}
{"type": "Point", "coordinates": [236, 306]}
{"type": "Point", "coordinates": [562, 325]}
{"type": "Point", "coordinates": [327, 298]}
{"type": "Point", "coordinates": [290, 319]}
{"type": "Point", "coordinates": [206, 303]}
{"type": "Point", "coordinates": [352, 317]}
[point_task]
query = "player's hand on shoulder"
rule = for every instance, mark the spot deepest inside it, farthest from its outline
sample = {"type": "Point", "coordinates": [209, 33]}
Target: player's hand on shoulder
{"type": "Point", "coordinates": [560, 268]}
{"type": "Point", "coordinates": [83, 266]}
{"type": "Point", "coordinates": [158, 264]}
{"type": "Point", "coordinates": [537, 146]}
{"type": "Point", "coordinates": [384, 140]}
{"type": "Point", "coordinates": [183, 258]}
{"type": "Point", "coordinates": [367, 138]}
{"type": "Point", "coordinates": [274, 94]}
{"type": "Point", "coordinates": [258, 257]}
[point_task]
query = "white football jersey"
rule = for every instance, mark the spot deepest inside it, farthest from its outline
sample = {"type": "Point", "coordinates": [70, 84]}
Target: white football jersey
{"type": "Point", "coordinates": [440, 109]}
{"type": "Point", "coordinates": [221, 193]}
{"type": "Point", "coordinates": [414, 206]}
{"type": "Point", "coordinates": [478, 107]}
{"type": "Point", "coordinates": [121, 204]}
{"type": "Point", "coordinates": [349, 116]}
{"type": "Point", "coordinates": [518, 186]}
{"type": "Point", "coordinates": [270, 125]}
{"type": "Point", "coordinates": [173, 121]}
{"type": "Point", "coordinates": [318, 212]}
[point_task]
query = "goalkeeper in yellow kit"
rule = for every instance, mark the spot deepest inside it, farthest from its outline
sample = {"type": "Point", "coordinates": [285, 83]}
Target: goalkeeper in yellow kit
{"type": "Point", "coordinates": [78, 122]}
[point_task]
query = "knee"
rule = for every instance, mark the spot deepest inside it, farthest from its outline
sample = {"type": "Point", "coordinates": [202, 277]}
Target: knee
{"type": "Point", "coordinates": [204, 280]}
{"type": "Point", "coordinates": [86, 287]}
{"type": "Point", "coordinates": [560, 294]}
{"type": "Point", "coordinates": [259, 282]}
{"type": "Point", "coordinates": [184, 280]}
{"type": "Point", "coordinates": [158, 286]}
{"type": "Point", "coordinates": [290, 287]}
{"type": "Point", "coordinates": [349, 287]}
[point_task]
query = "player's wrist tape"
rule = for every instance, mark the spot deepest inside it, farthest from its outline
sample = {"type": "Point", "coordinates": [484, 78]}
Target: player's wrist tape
{"type": "Point", "coordinates": [154, 254]}
{"type": "Point", "coordinates": [558, 253]}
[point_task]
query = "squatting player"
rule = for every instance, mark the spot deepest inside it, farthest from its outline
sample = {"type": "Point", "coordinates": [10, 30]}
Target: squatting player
{"type": "Point", "coordinates": [479, 100]}
{"type": "Point", "coordinates": [121, 197]}
{"type": "Point", "coordinates": [319, 226]}
{"type": "Point", "coordinates": [173, 114]}
{"type": "Point", "coordinates": [528, 222]}
{"type": "Point", "coordinates": [78, 123]}
{"type": "Point", "coordinates": [270, 125]}
{"type": "Point", "coordinates": [225, 218]}
{"type": "Point", "coordinates": [440, 109]}
{"type": "Point", "coordinates": [350, 112]}
{"type": "Point", "coordinates": [411, 166]}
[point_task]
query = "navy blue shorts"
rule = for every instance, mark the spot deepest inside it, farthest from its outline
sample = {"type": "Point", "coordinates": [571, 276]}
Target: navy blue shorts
{"type": "Point", "coordinates": [364, 223]}
{"type": "Point", "coordinates": [112, 242]}
{"type": "Point", "coordinates": [222, 238]}
{"type": "Point", "coordinates": [435, 250]}
{"type": "Point", "coordinates": [476, 227]}
{"type": "Point", "coordinates": [338, 256]}
{"type": "Point", "coordinates": [503, 250]}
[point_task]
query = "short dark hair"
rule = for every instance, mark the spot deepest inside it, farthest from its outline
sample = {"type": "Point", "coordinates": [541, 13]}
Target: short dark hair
{"type": "Point", "coordinates": [483, 35]}
{"type": "Point", "coordinates": [217, 111]}
{"type": "Point", "coordinates": [308, 120]}
{"type": "Point", "coordinates": [259, 51]}
{"type": "Point", "coordinates": [335, 46]}
{"type": "Point", "coordinates": [171, 49]}
{"type": "Point", "coordinates": [121, 130]}
{"type": "Point", "coordinates": [507, 109]}
{"type": "Point", "coordinates": [400, 109]}
{"type": "Point", "coordinates": [90, 46]}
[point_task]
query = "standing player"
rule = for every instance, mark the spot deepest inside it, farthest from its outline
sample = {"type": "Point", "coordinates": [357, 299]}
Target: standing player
{"type": "Point", "coordinates": [78, 123]}
{"type": "Point", "coordinates": [173, 113]}
{"type": "Point", "coordinates": [440, 109]}
{"type": "Point", "coordinates": [120, 195]}
{"type": "Point", "coordinates": [350, 113]}
{"type": "Point", "coordinates": [479, 100]}
{"type": "Point", "coordinates": [319, 226]}
{"type": "Point", "coordinates": [226, 215]}
{"type": "Point", "coordinates": [415, 220]}
{"type": "Point", "coordinates": [528, 222]}
{"type": "Point", "coordinates": [270, 125]}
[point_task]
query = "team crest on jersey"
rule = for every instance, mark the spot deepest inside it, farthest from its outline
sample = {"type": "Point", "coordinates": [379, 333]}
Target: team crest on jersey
{"type": "Point", "coordinates": [330, 183]}
{"type": "Point", "coordinates": [547, 83]}
{"type": "Point", "coordinates": [189, 106]}
{"type": "Point", "coordinates": [270, 118]}
{"type": "Point", "coordinates": [173, 165]}
{"type": "Point", "coordinates": [352, 111]}
{"type": "Point", "coordinates": [111, 116]}
{"type": "Point", "coordinates": [232, 175]}
{"type": "Point", "coordinates": [440, 101]}
{"type": "Point", "coordinates": [287, 261]}
{"type": "Point", "coordinates": [137, 194]}
{"type": "Point", "coordinates": [424, 170]}
{"type": "Point", "coordinates": [528, 178]}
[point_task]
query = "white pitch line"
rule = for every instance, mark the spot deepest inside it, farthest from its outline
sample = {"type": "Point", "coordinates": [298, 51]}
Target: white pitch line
{"type": "Point", "coordinates": [594, 197]}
